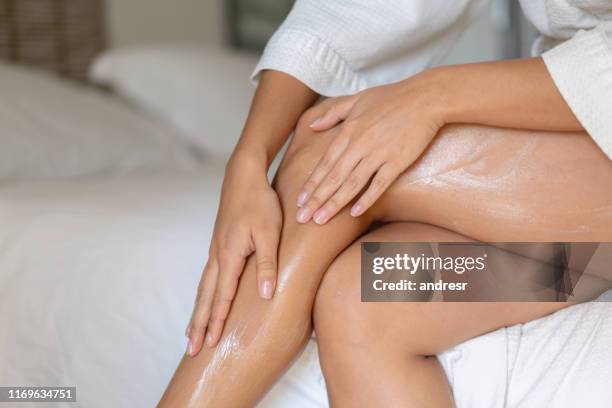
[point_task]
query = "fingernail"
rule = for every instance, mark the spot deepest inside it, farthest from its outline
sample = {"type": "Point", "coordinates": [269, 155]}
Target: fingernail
{"type": "Point", "coordinates": [189, 348]}
{"type": "Point", "coordinates": [321, 216]}
{"type": "Point", "coordinates": [301, 200]}
{"type": "Point", "coordinates": [187, 330]}
{"type": "Point", "coordinates": [356, 210]}
{"type": "Point", "coordinates": [265, 289]}
{"type": "Point", "coordinates": [209, 340]}
{"type": "Point", "coordinates": [316, 121]}
{"type": "Point", "coordinates": [303, 215]}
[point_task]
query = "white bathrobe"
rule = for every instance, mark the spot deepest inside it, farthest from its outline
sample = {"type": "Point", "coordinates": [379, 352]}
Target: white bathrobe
{"type": "Point", "coordinates": [342, 47]}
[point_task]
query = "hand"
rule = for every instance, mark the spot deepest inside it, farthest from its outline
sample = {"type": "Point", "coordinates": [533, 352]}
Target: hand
{"type": "Point", "coordinates": [249, 220]}
{"type": "Point", "coordinates": [383, 130]}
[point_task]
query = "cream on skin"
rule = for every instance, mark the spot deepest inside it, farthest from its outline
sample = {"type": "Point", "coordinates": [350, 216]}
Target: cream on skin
{"type": "Point", "coordinates": [385, 129]}
{"type": "Point", "coordinates": [274, 331]}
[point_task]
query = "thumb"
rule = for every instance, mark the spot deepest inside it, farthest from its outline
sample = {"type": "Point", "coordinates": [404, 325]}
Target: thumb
{"type": "Point", "coordinates": [339, 110]}
{"type": "Point", "coordinates": [266, 255]}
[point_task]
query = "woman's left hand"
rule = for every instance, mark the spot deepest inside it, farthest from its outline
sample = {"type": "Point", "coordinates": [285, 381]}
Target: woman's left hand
{"type": "Point", "coordinates": [383, 130]}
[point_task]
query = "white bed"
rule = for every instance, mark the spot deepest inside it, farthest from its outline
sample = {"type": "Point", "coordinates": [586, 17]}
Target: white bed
{"type": "Point", "coordinates": [99, 266]}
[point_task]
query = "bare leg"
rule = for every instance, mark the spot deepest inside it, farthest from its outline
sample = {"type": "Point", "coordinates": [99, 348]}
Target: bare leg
{"type": "Point", "coordinates": [260, 337]}
{"type": "Point", "coordinates": [490, 184]}
{"type": "Point", "coordinates": [394, 342]}
{"type": "Point", "coordinates": [486, 183]}
{"type": "Point", "coordinates": [507, 185]}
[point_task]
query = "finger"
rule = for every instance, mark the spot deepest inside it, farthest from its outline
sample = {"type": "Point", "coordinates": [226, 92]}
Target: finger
{"type": "Point", "coordinates": [354, 183]}
{"type": "Point", "coordinates": [330, 185]}
{"type": "Point", "coordinates": [230, 269]}
{"type": "Point", "coordinates": [381, 181]}
{"type": "Point", "coordinates": [339, 110]}
{"type": "Point", "coordinates": [266, 255]}
{"type": "Point", "coordinates": [202, 309]}
{"type": "Point", "coordinates": [327, 162]}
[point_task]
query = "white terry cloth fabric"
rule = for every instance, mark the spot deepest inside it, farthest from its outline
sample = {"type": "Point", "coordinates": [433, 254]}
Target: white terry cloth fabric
{"type": "Point", "coordinates": [559, 361]}
{"type": "Point", "coordinates": [342, 47]}
{"type": "Point", "coordinates": [576, 43]}
{"type": "Point", "coordinates": [339, 48]}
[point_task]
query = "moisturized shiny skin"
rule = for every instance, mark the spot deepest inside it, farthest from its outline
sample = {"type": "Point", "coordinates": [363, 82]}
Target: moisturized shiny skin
{"type": "Point", "coordinates": [537, 185]}
{"type": "Point", "coordinates": [487, 184]}
{"type": "Point", "coordinates": [230, 347]}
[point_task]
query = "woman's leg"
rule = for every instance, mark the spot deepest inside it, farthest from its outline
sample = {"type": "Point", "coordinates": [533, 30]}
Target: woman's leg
{"type": "Point", "coordinates": [507, 185]}
{"type": "Point", "coordinates": [487, 183]}
{"type": "Point", "coordinates": [383, 354]}
{"type": "Point", "coordinates": [490, 184]}
{"type": "Point", "coordinates": [260, 337]}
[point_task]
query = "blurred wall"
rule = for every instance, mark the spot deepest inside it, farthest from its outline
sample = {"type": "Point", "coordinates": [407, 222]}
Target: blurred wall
{"type": "Point", "coordinates": [133, 22]}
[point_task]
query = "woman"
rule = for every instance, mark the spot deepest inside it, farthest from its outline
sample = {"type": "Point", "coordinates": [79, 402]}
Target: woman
{"type": "Point", "coordinates": [503, 151]}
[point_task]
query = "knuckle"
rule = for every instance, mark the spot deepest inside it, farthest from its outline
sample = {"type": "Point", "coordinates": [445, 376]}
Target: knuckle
{"type": "Point", "coordinates": [332, 204]}
{"type": "Point", "coordinates": [379, 183]}
{"type": "Point", "coordinates": [225, 252]}
{"type": "Point", "coordinates": [326, 163]}
{"type": "Point", "coordinates": [353, 183]}
{"type": "Point", "coordinates": [332, 111]}
{"type": "Point", "coordinates": [200, 293]}
{"type": "Point", "coordinates": [197, 326]}
{"type": "Point", "coordinates": [266, 264]}
{"type": "Point", "coordinates": [204, 311]}
{"type": "Point", "coordinates": [334, 177]}
{"type": "Point", "coordinates": [201, 317]}
{"type": "Point", "coordinates": [220, 301]}
{"type": "Point", "coordinates": [217, 317]}
{"type": "Point", "coordinates": [315, 201]}
{"type": "Point", "coordinates": [310, 185]}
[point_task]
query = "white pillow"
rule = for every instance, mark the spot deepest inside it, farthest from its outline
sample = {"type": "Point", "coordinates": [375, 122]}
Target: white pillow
{"type": "Point", "coordinates": [203, 93]}
{"type": "Point", "coordinates": [55, 129]}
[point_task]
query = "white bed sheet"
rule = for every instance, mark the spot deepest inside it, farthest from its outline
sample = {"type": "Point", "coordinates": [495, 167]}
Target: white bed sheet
{"type": "Point", "coordinates": [97, 281]}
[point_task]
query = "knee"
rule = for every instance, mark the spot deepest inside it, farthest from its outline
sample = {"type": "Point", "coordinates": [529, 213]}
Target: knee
{"type": "Point", "coordinates": [304, 151]}
{"type": "Point", "coordinates": [337, 314]}
{"type": "Point", "coordinates": [343, 322]}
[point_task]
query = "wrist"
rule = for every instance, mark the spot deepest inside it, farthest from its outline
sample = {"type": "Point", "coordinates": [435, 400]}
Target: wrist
{"type": "Point", "coordinates": [253, 157]}
{"type": "Point", "coordinates": [428, 92]}
{"type": "Point", "coordinates": [457, 92]}
{"type": "Point", "coordinates": [247, 163]}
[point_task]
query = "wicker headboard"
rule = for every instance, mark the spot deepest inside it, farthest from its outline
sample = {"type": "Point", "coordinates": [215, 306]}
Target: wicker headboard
{"type": "Point", "coordinates": [62, 36]}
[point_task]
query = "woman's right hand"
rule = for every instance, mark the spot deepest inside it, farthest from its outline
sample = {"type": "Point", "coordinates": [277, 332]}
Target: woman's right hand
{"type": "Point", "coordinates": [249, 220]}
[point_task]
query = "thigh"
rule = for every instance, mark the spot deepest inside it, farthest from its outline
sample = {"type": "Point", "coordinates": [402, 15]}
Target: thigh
{"type": "Point", "coordinates": [507, 185]}
{"type": "Point", "coordinates": [423, 328]}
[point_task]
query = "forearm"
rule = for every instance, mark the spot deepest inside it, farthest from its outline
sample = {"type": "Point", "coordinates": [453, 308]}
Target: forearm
{"type": "Point", "coordinates": [514, 94]}
{"type": "Point", "coordinates": [279, 101]}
